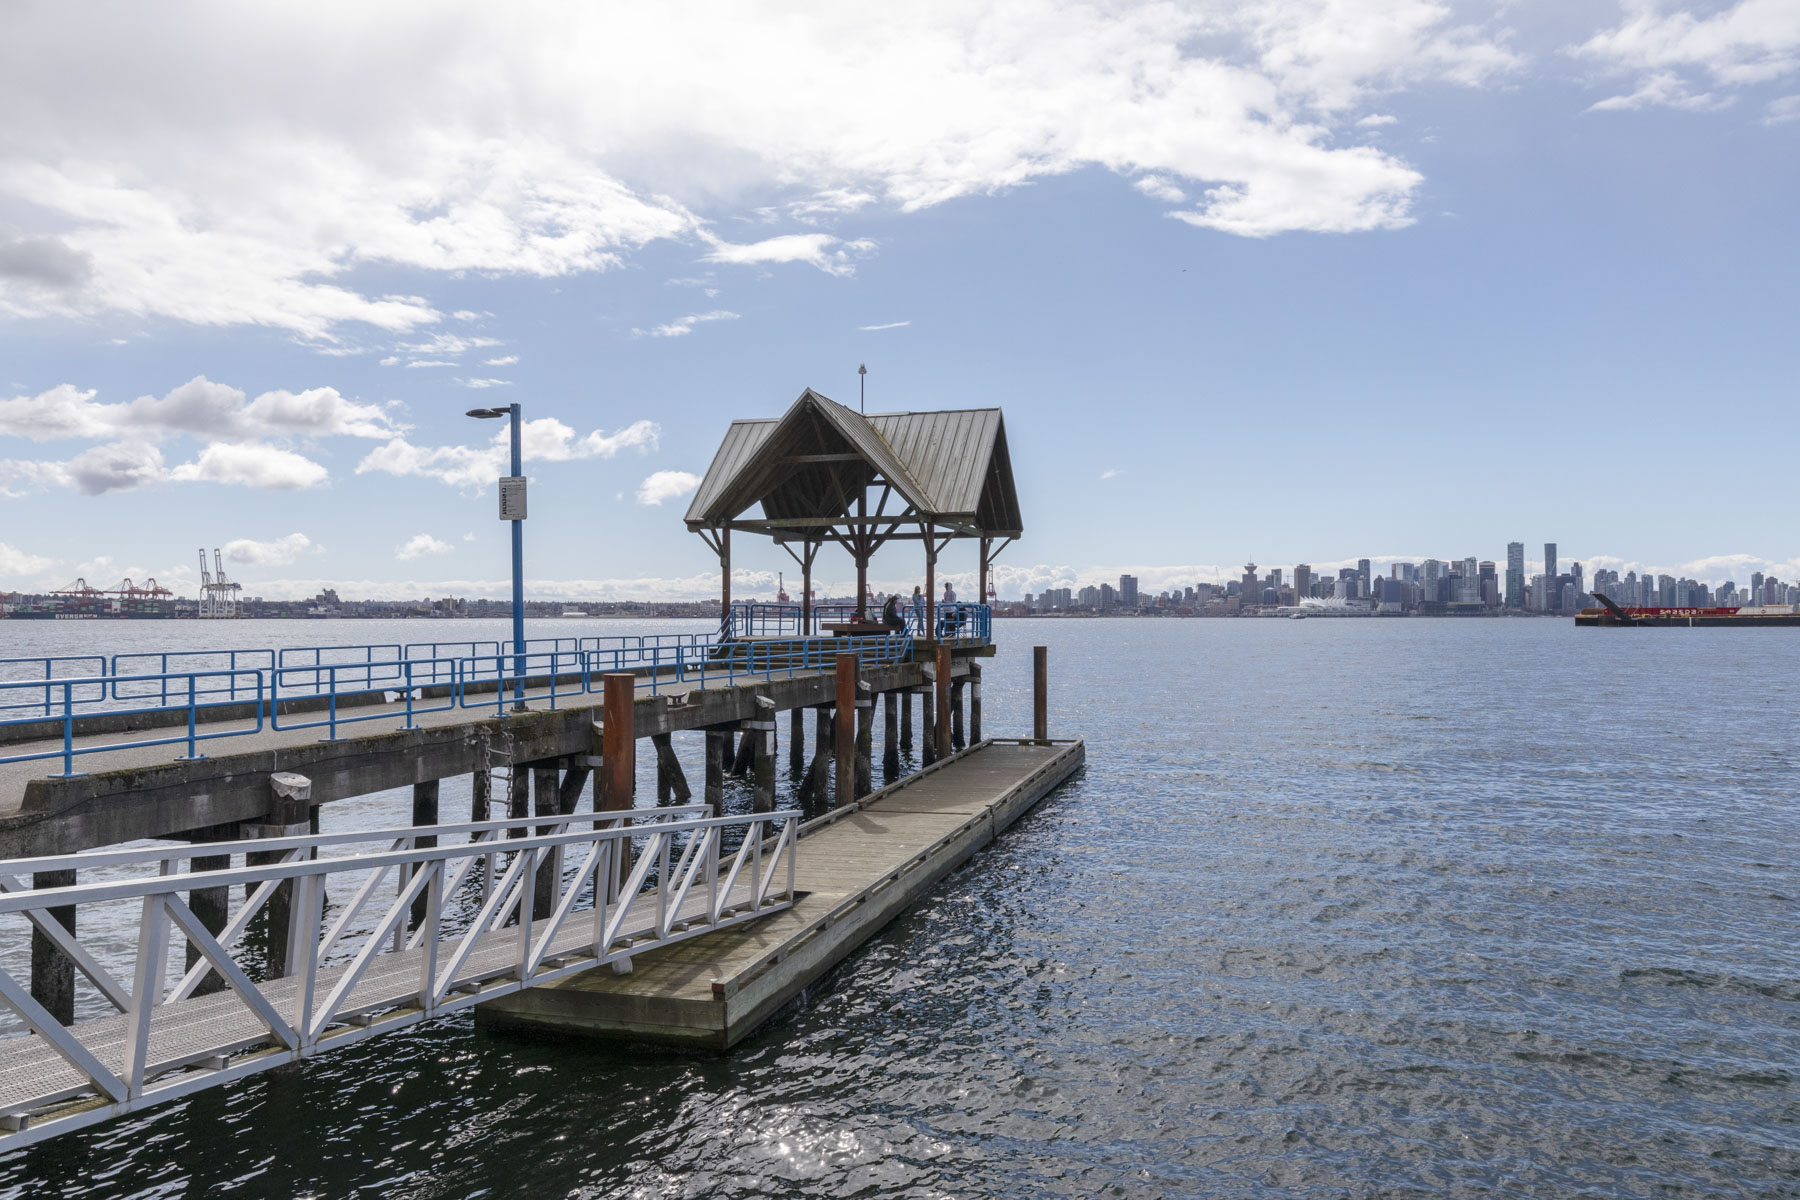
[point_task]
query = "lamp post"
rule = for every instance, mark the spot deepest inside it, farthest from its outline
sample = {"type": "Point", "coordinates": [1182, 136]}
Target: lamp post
{"type": "Point", "coordinates": [862, 387]}
{"type": "Point", "coordinates": [512, 508]}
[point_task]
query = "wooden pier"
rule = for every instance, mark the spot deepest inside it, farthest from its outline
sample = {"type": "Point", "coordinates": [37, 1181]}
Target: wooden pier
{"type": "Point", "coordinates": [859, 867]}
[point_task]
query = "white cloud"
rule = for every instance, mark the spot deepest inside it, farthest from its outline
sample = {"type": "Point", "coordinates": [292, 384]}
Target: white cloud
{"type": "Point", "coordinates": [505, 361]}
{"type": "Point", "coordinates": [199, 407]}
{"type": "Point", "coordinates": [1681, 60]}
{"type": "Point", "coordinates": [879, 328]}
{"type": "Point", "coordinates": [277, 553]}
{"type": "Point", "coordinates": [448, 343]}
{"type": "Point", "coordinates": [1782, 110]}
{"type": "Point", "coordinates": [832, 255]}
{"type": "Point", "coordinates": [1158, 188]}
{"type": "Point", "coordinates": [420, 545]}
{"type": "Point", "coordinates": [666, 485]}
{"type": "Point", "coordinates": [1110, 473]}
{"type": "Point", "coordinates": [251, 464]}
{"type": "Point", "coordinates": [15, 564]}
{"type": "Point", "coordinates": [682, 326]}
{"type": "Point", "coordinates": [431, 362]}
{"type": "Point", "coordinates": [484, 383]}
{"type": "Point", "coordinates": [363, 140]}
{"type": "Point", "coordinates": [474, 467]}
{"type": "Point", "coordinates": [1376, 120]}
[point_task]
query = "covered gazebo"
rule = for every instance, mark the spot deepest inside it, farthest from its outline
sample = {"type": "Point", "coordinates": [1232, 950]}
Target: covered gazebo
{"type": "Point", "coordinates": [824, 473]}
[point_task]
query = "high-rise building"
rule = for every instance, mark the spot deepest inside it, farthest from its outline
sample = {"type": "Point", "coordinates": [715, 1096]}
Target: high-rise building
{"type": "Point", "coordinates": [1362, 576]}
{"type": "Point", "coordinates": [1515, 574]}
{"type": "Point", "coordinates": [1128, 596]}
{"type": "Point", "coordinates": [1302, 581]}
{"type": "Point", "coordinates": [1250, 589]}
{"type": "Point", "coordinates": [1552, 601]}
{"type": "Point", "coordinates": [1490, 585]}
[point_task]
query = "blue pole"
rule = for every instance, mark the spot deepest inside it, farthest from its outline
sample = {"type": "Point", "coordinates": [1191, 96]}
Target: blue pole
{"type": "Point", "coordinates": [518, 603]}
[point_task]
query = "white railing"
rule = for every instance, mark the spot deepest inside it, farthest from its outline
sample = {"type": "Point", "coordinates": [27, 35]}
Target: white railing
{"type": "Point", "coordinates": [424, 930]}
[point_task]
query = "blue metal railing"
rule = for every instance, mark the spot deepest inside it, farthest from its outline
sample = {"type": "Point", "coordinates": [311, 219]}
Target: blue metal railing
{"type": "Point", "coordinates": [757, 619]}
{"type": "Point", "coordinates": [191, 695]}
{"type": "Point", "coordinates": [346, 677]}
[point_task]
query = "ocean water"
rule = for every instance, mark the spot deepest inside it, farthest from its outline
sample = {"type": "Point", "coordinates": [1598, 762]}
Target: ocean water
{"type": "Point", "coordinates": [1337, 908]}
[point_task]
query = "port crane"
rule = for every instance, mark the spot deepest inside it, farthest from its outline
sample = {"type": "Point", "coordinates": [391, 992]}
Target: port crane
{"type": "Point", "coordinates": [218, 595]}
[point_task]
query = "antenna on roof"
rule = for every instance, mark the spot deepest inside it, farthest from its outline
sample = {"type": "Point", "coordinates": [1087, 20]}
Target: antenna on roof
{"type": "Point", "coordinates": [862, 385]}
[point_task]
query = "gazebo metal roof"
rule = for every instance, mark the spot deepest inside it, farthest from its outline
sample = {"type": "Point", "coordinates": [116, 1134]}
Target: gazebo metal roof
{"type": "Point", "coordinates": [809, 470]}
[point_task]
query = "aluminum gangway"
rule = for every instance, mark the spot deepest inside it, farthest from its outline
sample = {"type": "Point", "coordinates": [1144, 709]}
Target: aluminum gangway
{"type": "Point", "coordinates": [385, 929]}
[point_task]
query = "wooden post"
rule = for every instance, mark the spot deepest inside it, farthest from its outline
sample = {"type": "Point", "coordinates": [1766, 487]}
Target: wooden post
{"type": "Point", "coordinates": [546, 795]}
{"type": "Point", "coordinates": [481, 796]}
{"type": "Point", "coordinates": [890, 736]}
{"type": "Point", "coordinates": [669, 774]}
{"type": "Point", "coordinates": [930, 583]}
{"type": "Point", "coordinates": [52, 971]}
{"type": "Point", "coordinates": [212, 905]}
{"type": "Point", "coordinates": [906, 720]}
{"type": "Point", "coordinates": [956, 716]}
{"type": "Point", "coordinates": [718, 742]}
{"type": "Point", "coordinates": [844, 735]}
{"type": "Point", "coordinates": [796, 741]}
{"type": "Point", "coordinates": [724, 575]}
{"type": "Point", "coordinates": [941, 731]}
{"type": "Point", "coordinates": [865, 737]}
{"type": "Point", "coordinates": [981, 579]}
{"type": "Point", "coordinates": [974, 702]}
{"type": "Point", "coordinates": [618, 743]}
{"type": "Point", "coordinates": [518, 797]}
{"type": "Point", "coordinates": [746, 754]}
{"type": "Point", "coordinates": [424, 812]}
{"type": "Point", "coordinates": [574, 782]}
{"type": "Point", "coordinates": [928, 725]}
{"type": "Point", "coordinates": [1040, 693]}
{"type": "Point", "coordinates": [820, 776]}
{"type": "Point", "coordinates": [289, 815]}
{"type": "Point", "coordinates": [765, 769]}
{"type": "Point", "coordinates": [806, 593]}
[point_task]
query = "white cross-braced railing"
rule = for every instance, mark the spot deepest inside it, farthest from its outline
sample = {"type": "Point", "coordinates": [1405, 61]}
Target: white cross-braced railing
{"type": "Point", "coordinates": [423, 930]}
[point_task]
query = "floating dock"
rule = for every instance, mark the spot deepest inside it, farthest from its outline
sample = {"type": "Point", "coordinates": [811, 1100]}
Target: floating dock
{"type": "Point", "coordinates": [858, 868]}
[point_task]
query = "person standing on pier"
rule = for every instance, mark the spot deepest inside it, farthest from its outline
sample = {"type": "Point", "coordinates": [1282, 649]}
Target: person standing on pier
{"type": "Point", "coordinates": [890, 613]}
{"type": "Point", "coordinates": [919, 609]}
{"type": "Point", "coordinates": [947, 615]}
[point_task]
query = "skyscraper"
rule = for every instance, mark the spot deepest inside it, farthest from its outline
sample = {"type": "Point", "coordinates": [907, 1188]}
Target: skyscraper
{"type": "Point", "coordinates": [1515, 574]}
{"type": "Point", "coordinates": [1252, 590]}
{"type": "Point", "coordinates": [1302, 581]}
{"type": "Point", "coordinates": [1554, 599]}
{"type": "Point", "coordinates": [1128, 591]}
{"type": "Point", "coordinates": [1362, 577]}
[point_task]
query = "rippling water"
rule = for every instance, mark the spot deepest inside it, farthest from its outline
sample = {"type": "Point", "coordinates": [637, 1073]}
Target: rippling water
{"type": "Point", "coordinates": [1337, 908]}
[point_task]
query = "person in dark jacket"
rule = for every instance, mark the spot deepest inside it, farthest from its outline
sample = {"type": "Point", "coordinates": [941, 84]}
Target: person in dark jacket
{"type": "Point", "coordinates": [890, 613]}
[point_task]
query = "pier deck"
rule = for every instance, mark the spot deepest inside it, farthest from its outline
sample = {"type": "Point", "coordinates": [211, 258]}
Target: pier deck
{"type": "Point", "coordinates": [858, 868]}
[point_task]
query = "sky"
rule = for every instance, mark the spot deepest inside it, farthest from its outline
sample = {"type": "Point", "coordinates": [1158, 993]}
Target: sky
{"type": "Point", "coordinates": [1277, 280]}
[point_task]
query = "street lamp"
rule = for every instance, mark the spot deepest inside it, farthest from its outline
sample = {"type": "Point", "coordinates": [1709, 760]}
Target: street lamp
{"type": "Point", "coordinates": [512, 508]}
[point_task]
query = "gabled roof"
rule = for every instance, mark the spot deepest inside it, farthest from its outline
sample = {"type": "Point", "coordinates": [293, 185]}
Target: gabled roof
{"type": "Point", "coordinates": [950, 468]}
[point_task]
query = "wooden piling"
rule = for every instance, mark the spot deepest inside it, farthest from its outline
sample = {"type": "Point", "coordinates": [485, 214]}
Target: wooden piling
{"type": "Point", "coordinates": [424, 812]}
{"type": "Point", "coordinates": [941, 728]}
{"type": "Point", "coordinates": [974, 702]}
{"type": "Point", "coordinates": [819, 776]}
{"type": "Point", "coordinates": [956, 716]}
{"type": "Point", "coordinates": [574, 782]}
{"type": "Point", "coordinates": [928, 724]}
{"type": "Point", "coordinates": [765, 768]}
{"type": "Point", "coordinates": [518, 796]}
{"type": "Point", "coordinates": [1040, 693]}
{"type": "Point", "coordinates": [844, 737]}
{"type": "Point", "coordinates": [796, 741]}
{"type": "Point", "coordinates": [289, 815]}
{"type": "Point", "coordinates": [746, 754]}
{"type": "Point", "coordinates": [671, 780]}
{"type": "Point", "coordinates": [717, 740]}
{"type": "Point", "coordinates": [547, 802]}
{"type": "Point", "coordinates": [906, 720]}
{"type": "Point", "coordinates": [481, 796]}
{"type": "Point", "coordinates": [618, 744]}
{"type": "Point", "coordinates": [52, 971]}
{"type": "Point", "coordinates": [890, 736]}
{"type": "Point", "coordinates": [865, 739]}
{"type": "Point", "coordinates": [211, 905]}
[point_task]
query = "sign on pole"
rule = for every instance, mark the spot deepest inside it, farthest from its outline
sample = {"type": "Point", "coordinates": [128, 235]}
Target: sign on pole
{"type": "Point", "coordinates": [512, 497]}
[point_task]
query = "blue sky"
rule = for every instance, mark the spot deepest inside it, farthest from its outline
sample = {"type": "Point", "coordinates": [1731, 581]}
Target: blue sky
{"type": "Point", "coordinates": [1287, 280]}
